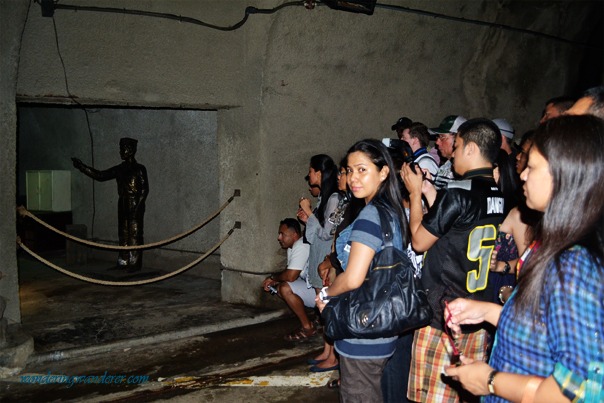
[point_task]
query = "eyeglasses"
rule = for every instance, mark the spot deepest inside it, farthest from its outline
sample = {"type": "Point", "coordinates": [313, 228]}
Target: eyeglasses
{"type": "Point", "coordinates": [455, 358]}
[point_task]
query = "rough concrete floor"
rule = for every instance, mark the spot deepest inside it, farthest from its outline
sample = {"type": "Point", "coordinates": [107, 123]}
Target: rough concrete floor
{"type": "Point", "coordinates": [203, 368]}
{"type": "Point", "coordinates": [191, 346]}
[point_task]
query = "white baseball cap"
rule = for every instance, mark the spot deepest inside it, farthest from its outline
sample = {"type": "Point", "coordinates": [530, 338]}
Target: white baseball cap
{"type": "Point", "coordinates": [505, 127]}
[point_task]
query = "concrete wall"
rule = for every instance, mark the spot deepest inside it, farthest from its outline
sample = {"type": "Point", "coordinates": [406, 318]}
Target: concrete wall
{"type": "Point", "coordinates": [300, 82]}
{"type": "Point", "coordinates": [12, 18]}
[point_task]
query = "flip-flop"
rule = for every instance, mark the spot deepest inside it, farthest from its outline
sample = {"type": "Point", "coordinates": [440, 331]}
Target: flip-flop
{"type": "Point", "coordinates": [314, 368]}
{"type": "Point", "coordinates": [312, 361]}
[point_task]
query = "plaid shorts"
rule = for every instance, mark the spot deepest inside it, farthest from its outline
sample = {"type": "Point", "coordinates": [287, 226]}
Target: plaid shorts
{"type": "Point", "coordinates": [432, 352]}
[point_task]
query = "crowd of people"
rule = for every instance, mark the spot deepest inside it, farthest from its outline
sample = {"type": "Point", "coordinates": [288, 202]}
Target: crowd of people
{"type": "Point", "coordinates": [507, 239]}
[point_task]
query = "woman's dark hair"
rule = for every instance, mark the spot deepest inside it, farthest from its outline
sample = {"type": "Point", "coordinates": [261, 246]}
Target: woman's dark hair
{"type": "Point", "coordinates": [529, 217]}
{"type": "Point", "coordinates": [388, 194]}
{"type": "Point", "coordinates": [572, 145]}
{"type": "Point", "coordinates": [509, 182]}
{"type": "Point", "coordinates": [527, 136]}
{"type": "Point", "coordinates": [343, 163]}
{"type": "Point", "coordinates": [329, 181]}
{"type": "Point", "coordinates": [354, 206]}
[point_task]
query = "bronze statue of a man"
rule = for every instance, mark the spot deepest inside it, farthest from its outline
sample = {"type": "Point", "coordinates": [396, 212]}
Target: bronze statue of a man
{"type": "Point", "coordinates": [132, 188]}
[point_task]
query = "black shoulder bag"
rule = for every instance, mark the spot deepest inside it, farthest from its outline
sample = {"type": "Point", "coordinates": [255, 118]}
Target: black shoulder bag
{"type": "Point", "coordinates": [390, 301]}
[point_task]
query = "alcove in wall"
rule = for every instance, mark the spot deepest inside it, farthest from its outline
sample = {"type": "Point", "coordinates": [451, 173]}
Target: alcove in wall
{"type": "Point", "coordinates": [177, 146]}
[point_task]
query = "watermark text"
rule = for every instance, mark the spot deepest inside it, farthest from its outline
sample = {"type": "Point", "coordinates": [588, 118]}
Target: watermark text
{"type": "Point", "coordinates": [105, 379]}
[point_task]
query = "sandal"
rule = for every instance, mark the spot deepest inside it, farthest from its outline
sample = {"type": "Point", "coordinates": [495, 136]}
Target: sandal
{"type": "Point", "coordinates": [315, 368]}
{"type": "Point", "coordinates": [333, 384]}
{"type": "Point", "coordinates": [301, 334]}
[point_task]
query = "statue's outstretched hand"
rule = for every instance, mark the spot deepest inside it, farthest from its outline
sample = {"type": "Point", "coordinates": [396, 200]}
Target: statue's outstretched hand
{"type": "Point", "coordinates": [77, 163]}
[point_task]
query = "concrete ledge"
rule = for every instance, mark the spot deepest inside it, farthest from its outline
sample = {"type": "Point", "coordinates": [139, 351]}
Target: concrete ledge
{"type": "Point", "coordinates": [156, 338]}
{"type": "Point", "coordinates": [246, 288]}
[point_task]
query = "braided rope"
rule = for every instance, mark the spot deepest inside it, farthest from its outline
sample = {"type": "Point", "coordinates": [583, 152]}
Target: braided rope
{"type": "Point", "coordinates": [25, 213]}
{"type": "Point", "coordinates": [125, 283]}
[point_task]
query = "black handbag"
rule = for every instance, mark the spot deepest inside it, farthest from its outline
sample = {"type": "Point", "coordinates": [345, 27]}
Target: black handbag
{"type": "Point", "coordinates": [390, 301]}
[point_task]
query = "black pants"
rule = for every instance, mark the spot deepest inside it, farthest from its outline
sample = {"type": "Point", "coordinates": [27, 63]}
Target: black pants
{"type": "Point", "coordinates": [130, 230]}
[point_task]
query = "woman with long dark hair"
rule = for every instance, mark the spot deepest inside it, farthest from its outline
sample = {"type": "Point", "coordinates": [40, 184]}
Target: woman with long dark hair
{"type": "Point", "coordinates": [371, 177]}
{"type": "Point", "coordinates": [549, 344]}
{"type": "Point", "coordinates": [507, 180]}
{"type": "Point", "coordinates": [502, 276]}
{"type": "Point", "coordinates": [323, 184]}
{"type": "Point", "coordinates": [515, 233]}
{"type": "Point", "coordinates": [323, 181]}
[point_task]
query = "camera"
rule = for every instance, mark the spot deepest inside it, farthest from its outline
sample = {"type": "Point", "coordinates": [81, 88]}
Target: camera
{"type": "Point", "coordinates": [272, 290]}
{"type": "Point", "coordinates": [400, 151]}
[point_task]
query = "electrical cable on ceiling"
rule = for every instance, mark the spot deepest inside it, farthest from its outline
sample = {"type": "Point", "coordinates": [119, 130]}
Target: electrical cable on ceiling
{"type": "Point", "coordinates": [248, 10]}
{"type": "Point", "coordinates": [21, 37]}
{"type": "Point", "coordinates": [479, 22]}
{"type": "Point", "coordinates": [309, 4]}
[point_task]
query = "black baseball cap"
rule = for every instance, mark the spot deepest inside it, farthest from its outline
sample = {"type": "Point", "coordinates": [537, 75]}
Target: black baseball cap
{"type": "Point", "coordinates": [403, 123]}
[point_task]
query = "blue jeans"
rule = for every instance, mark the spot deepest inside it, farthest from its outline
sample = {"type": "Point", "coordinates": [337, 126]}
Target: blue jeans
{"type": "Point", "coordinates": [395, 378]}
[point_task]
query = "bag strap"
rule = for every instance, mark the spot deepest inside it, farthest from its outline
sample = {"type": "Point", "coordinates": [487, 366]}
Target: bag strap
{"type": "Point", "coordinates": [387, 234]}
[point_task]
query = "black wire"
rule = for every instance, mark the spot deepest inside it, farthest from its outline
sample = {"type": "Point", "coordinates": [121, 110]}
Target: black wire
{"type": "Point", "coordinates": [482, 23]}
{"type": "Point", "coordinates": [54, 25]}
{"type": "Point", "coordinates": [21, 37]}
{"type": "Point", "coordinates": [246, 271]}
{"type": "Point", "coordinates": [253, 10]}
{"type": "Point", "coordinates": [92, 164]}
{"type": "Point", "coordinates": [249, 10]}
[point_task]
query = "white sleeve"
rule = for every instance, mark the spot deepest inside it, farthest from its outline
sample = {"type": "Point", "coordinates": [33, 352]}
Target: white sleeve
{"type": "Point", "coordinates": [297, 259]}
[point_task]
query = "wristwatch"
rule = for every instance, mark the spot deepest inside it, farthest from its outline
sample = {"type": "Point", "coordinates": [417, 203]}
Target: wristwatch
{"type": "Point", "coordinates": [501, 297]}
{"type": "Point", "coordinates": [323, 294]}
{"type": "Point", "coordinates": [491, 382]}
{"type": "Point", "coordinates": [506, 268]}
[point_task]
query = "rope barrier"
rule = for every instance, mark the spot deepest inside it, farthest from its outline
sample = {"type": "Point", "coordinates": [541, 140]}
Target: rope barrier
{"type": "Point", "coordinates": [126, 283]}
{"type": "Point", "coordinates": [25, 213]}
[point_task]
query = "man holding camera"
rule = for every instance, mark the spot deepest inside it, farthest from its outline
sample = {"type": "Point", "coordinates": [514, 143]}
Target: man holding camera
{"type": "Point", "coordinates": [418, 137]}
{"type": "Point", "coordinates": [458, 234]}
{"type": "Point", "coordinates": [290, 284]}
